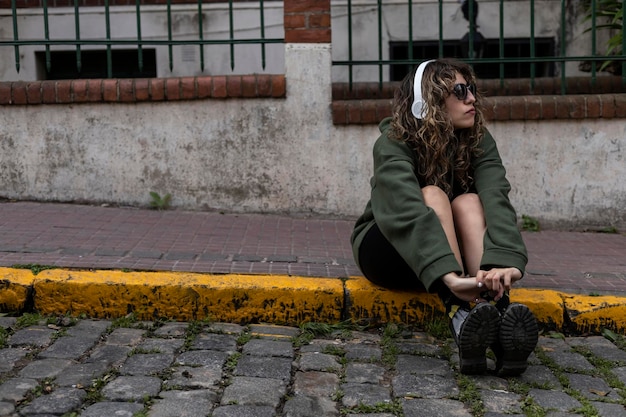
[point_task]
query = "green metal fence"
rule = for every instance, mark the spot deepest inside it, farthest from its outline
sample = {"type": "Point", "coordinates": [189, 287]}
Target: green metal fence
{"type": "Point", "coordinates": [600, 15]}
{"type": "Point", "coordinates": [110, 41]}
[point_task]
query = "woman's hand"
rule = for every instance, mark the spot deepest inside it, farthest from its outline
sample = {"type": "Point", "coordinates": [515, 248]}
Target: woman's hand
{"type": "Point", "coordinates": [498, 279]}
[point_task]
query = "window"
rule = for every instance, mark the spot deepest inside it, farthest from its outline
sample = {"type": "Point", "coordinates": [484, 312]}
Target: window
{"type": "Point", "coordinates": [513, 48]}
{"type": "Point", "coordinates": [94, 64]}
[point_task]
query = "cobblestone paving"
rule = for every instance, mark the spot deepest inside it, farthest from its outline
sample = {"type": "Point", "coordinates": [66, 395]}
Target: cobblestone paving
{"type": "Point", "coordinates": [94, 368]}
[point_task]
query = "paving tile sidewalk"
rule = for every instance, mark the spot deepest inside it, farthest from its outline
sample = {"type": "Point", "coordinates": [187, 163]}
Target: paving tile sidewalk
{"type": "Point", "coordinates": [82, 236]}
{"type": "Point", "coordinates": [95, 368]}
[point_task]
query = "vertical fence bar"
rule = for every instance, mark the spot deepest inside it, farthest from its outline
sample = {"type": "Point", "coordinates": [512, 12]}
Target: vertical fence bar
{"type": "Point", "coordinates": [472, 29]}
{"type": "Point", "coordinates": [380, 44]}
{"type": "Point", "coordinates": [139, 44]}
{"type": "Point", "coordinates": [46, 32]}
{"type": "Point", "coordinates": [563, 46]}
{"type": "Point", "coordinates": [501, 43]}
{"type": "Point", "coordinates": [623, 44]}
{"type": "Point", "coordinates": [169, 35]}
{"type": "Point", "coordinates": [231, 20]}
{"type": "Point", "coordinates": [440, 29]}
{"type": "Point", "coordinates": [593, 41]}
{"type": "Point", "coordinates": [410, 55]}
{"type": "Point", "coordinates": [201, 34]}
{"type": "Point", "coordinates": [16, 48]}
{"type": "Point", "coordinates": [79, 60]}
{"type": "Point", "coordinates": [107, 22]}
{"type": "Point", "coordinates": [532, 44]}
{"type": "Point", "coordinates": [262, 34]}
{"type": "Point", "coordinates": [350, 67]}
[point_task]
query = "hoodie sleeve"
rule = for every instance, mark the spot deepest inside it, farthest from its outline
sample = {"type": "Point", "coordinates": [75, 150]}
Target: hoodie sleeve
{"type": "Point", "coordinates": [503, 244]}
{"type": "Point", "coordinates": [403, 218]}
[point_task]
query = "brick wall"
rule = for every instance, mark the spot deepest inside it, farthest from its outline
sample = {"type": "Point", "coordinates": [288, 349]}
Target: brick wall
{"type": "Point", "coordinates": [367, 103]}
{"type": "Point", "coordinates": [138, 90]}
{"type": "Point", "coordinates": [307, 21]}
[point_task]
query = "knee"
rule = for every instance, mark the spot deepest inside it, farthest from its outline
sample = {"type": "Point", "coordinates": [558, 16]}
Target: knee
{"type": "Point", "coordinates": [466, 201]}
{"type": "Point", "coordinates": [467, 205]}
{"type": "Point", "coordinates": [434, 195]}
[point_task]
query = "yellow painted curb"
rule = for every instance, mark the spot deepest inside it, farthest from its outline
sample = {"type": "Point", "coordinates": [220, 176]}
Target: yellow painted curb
{"type": "Point", "coordinates": [15, 286]}
{"type": "Point", "coordinates": [276, 299]}
{"type": "Point", "coordinates": [546, 305]}
{"type": "Point", "coordinates": [370, 302]}
{"type": "Point", "coordinates": [186, 296]}
{"type": "Point", "coordinates": [590, 314]}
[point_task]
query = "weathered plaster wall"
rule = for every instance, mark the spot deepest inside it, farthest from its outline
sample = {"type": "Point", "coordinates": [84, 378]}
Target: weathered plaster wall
{"type": "Point", "coordinates": [283, 155]}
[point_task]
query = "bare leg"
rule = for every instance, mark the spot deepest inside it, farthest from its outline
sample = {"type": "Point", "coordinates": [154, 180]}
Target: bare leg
{"type": "Point", "coordinates": [436, 198]}
{"type": "Point", "coordinates": [469, 221]}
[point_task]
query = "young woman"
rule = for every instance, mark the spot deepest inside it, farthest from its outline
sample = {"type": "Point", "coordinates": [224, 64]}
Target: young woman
{"type": "Point", "coordinates": [439, 217]}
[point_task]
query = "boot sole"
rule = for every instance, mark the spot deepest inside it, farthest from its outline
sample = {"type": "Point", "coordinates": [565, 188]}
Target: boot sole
{"type": "Point", "coordinates": [519, 334]}
{"type": "Point", "coordinates": [479, 331]}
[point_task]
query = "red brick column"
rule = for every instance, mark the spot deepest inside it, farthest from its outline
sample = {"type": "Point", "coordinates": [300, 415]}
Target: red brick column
{"type": "Point", "coordinates": [307, 21]}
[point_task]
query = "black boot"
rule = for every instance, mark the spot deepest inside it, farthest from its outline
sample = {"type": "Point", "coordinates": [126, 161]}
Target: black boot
{"type": "Point", "coordinates": [474, 331]}
{"type": "Point", "coordinates": [518, 338]}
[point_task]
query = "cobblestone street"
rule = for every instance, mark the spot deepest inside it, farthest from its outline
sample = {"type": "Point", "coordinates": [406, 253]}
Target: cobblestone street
{"type": "Point", "coordinates": [96, 368]}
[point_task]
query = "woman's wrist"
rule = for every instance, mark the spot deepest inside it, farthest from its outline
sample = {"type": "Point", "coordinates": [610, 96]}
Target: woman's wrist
{"type": "Point", "coordinates": [449, 279]}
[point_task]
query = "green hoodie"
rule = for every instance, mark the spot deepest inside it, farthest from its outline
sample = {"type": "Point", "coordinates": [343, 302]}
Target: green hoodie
{"type": "Point", "coordinates": [397, 206]}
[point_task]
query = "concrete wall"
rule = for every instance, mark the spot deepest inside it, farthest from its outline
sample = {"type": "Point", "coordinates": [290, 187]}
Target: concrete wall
{"type": "Point", "coordinates": [282, 155]}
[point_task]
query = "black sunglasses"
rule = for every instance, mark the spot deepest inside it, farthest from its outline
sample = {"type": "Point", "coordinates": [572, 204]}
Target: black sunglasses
{"type": "Point", "coordinates": [460, 90]}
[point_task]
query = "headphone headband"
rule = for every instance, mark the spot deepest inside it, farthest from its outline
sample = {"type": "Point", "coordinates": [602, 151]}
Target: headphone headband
{"type": "Point", "coordinates": [419, 106]}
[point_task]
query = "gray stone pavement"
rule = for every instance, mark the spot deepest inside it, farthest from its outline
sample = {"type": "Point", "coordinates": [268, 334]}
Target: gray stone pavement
{"type": "Point", "coordinates": [94, 368]}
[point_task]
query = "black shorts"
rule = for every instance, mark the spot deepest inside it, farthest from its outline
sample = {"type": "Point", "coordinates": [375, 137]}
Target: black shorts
{"type": "Point", "coordinates": [382, 264]}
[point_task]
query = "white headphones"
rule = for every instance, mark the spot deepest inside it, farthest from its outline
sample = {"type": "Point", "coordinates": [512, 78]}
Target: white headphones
{"type": "Point", "coordinates": [419, 106]}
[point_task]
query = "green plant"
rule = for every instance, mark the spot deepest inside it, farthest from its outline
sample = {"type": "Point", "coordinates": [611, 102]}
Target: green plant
{"type": "Point", "coordinates": [45, 386]}
{"type": "Point", "coordinates": [158, 202]}
{"type": "Point", "coordinates": [529, 224]}
{"type": "Point", "coordinates": [193, 330]}
{"type": "Point", "coordinates": [438, 328]}
{"type": "Point", "coordinates": [532, 409]}
{"type": "Point", "coordinates": [4, 335]}
{"type": "Point", "coordinates": [35, 268]}
{"type": "Point", "coordinates": [337, 395]}
{"type": "Point", "coordinates": [390, 349]}
{"type": "Point", "coordinates": [231, 362]}
{"type": "Point", "coordinates": [470, 395]}
{"type": "Point", "coordinates": [244, 338]}
{"type": "Point", "coordinates": [28, 319]}
{"type": "Point", "coordinates": [611, 14]}
{"type": "Point", "coordinates": [127, 321]}
{"type": "Point", "coordinates": [334, 350]}
{"type": "Point", "coordinates": [311, 330]}
{"type": "Point", "coordinates": [617, 339]}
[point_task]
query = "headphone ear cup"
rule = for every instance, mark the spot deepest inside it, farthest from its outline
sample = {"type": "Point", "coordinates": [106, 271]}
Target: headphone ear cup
{"type": "Point", "coordinates": [419, 105]}
{"type": "Point", "coordinates": [417, 108]}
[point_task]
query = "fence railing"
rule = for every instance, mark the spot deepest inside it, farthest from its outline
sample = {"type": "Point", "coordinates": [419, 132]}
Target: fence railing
{"type": "Point", "coordinates": [139, 41]}
{"type": "Point", "coordinates": [372, 40]}
{"type": "Point", "coordinates": [428, 29]}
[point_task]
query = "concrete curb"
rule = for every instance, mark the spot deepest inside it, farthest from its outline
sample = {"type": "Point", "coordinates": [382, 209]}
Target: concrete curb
{"type": "Point", "coordinates": [278, 299]}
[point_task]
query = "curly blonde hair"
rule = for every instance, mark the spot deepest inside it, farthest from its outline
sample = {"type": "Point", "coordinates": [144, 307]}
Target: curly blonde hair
{"type": "Point", "coordinates": [443, 153]}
